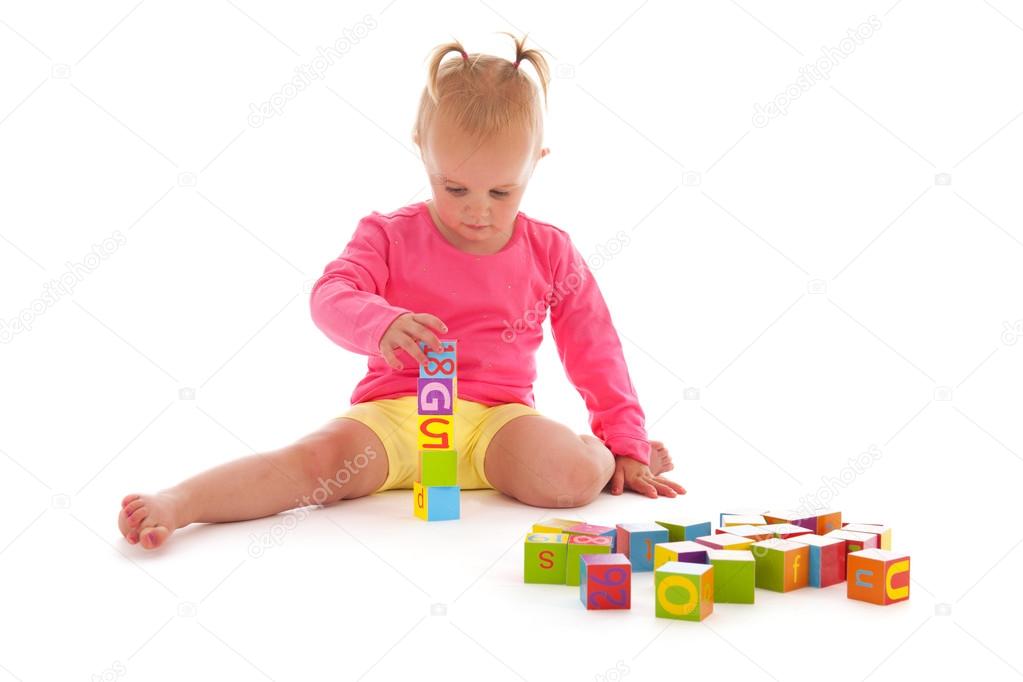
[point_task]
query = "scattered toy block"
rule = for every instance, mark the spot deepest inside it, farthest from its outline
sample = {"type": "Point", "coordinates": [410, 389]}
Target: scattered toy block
{"type": "Point", "coordinates": [785, 531]}
{"type": "Point", "coordinates": [686, 551]}
{"type": "Point", "coordinates": [578, 545]}
{"type": "Point", "coordinates": [735, 575]}
{"type": "Point", "coordinates": [437, 468]}
{"type": "Point", "coordinates": [739, 511]}
{"type": "Point", "coordinates": [782, 565]}
{"type": "Point", "coordinates": [878, 576]}
{"type": "Point", "coordinates": [754, 533]}
{"type": "Point", "coordinates": [436, 503]}
{"type": "Point", "coordinates": [546, 558]}
{"type": "Point", "coordinates": [679, 530]}
{"type": "Point", "coordinates": [725, 541]}
{"type": "Point", "coordinates": [594, 531]}
{"type": "Point", "coordinates": [827, 559]}
{"type": "Point", "coordinates": [883, 533]}
{"type": "Point", "coordinates": [742, 520]}
{"type": "Point", "coordinates": [827, 521]}
{"type": "Point", "coordinates": [684, 591]}
{"type": "Point", "coordinates": [796, 518]}
{"type": "Point", "coordinates": [855, 541]}
{"type": "Point", "coordinates": [605, 581]}
{"type": "Point", "coordinates": [554, 525]}
{"type": "Point", "coordinates": [637, 540]}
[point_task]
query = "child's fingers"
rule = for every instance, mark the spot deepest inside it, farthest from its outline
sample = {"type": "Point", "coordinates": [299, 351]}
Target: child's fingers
{"type": "Point", "coordinates": [663, 488]}
{"type": "Point", "coordinates": [617, 482]}
{"type": "Point", "coordinates": [390, 357]}
{"type": "Point", "coordinates": [411, 347]}
{"type": "Point", "coordinates": [430, 321]}
{"type": "Point", "coordinates": [644, 487]}
{"type": "Point", "coordinates": [672, 484]}
{"type": "Point", "coordinates": [423, 332]}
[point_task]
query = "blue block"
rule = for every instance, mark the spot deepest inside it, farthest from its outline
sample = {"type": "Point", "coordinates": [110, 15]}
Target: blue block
{"type": "Point", "coordinates": [639, 543]}
{"type": "Point", "coordinates": [443, 502]}
{"type": "Point", "coordinates": [815, 566]}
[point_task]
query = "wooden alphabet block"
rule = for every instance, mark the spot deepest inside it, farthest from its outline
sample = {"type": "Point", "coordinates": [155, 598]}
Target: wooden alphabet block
{"type": "Point", "coordinates": [595, 531]}
{"type": "Point", "coordinates": [686, 551]}
{"type": "Point", "coordinates": [437, 468]}
{"type": "Point", "coordinates": [735, 575]}
{"type": "Point", "coordinates": [795, 517]}
{"type": "Point", "coordinates": [782, 565]}
{"type": "Point", "coordinates": [681, 529]}
{"type": "Point", "coordinates": [441, 365]}
{"type": "Point", "coordinates": [435, 396]}
{"type": "Point", "coordinates": [827, 559]}
{"type": "Point", "coordinates": [878, 576]}
{"type": "Point", "coordinates": [554, 525]}
{"type": "Point", "coordinates": [725, 541]}
{"type": "Point", "coordinates": [578, 545]}
{"type": "Point", "coordinates": [742, 520]}
{"type": "Point", "coordinates": [637, 540]}
{"type": "Point", "coordinates": [436, 503]}
{"type": "Point", "coordinates": [754, 533]}
{"type": "Point", "coordinates": [684, 591]}
{"type": "Point", "coordinates": [855, 541]}
{"type": "Point", "coordinates": [545, 558]}
{"type": "Point", "coordinates": [883, 533]}
{"type": "Point", "coordinates": [605, 581]}
{"type": "Point", "coordinates": [786, 531]}
{"type": "Point", "coordinates": [436, 432]}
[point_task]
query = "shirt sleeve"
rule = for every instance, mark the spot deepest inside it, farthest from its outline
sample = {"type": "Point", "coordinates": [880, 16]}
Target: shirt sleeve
{"type": "Point", "coordinates": [347, 301]}
{"type": "Point", "coordinates": [592, 356]}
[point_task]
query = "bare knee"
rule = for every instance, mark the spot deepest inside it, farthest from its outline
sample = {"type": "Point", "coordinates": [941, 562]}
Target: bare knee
{"type": "Point", "coordinates": [575, 477]}
{"type": "Point", "coordinates": [344, 459]}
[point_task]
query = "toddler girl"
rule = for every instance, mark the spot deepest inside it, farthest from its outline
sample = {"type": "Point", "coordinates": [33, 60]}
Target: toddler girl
{"type": "Point", "coordinates": [466, 265]}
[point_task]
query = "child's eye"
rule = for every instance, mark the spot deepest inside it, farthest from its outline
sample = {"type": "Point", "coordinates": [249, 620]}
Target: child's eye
{"type": "Point", "coordinates": [457, 191]}
{"type": "Point", "coordinates": [498, 193]}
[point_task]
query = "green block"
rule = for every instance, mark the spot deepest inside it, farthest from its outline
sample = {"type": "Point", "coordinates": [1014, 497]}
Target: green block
{"type": "Point", "coordinates": [438, 468]}
{"type": "Point", "coordinates": [734, 575]}
{"type": "Point", "coordinates": [546, 556]}
{"type": "Point", "coordinates": [680, 530]}
{"type": "Point", "coordinates": [770, 567]}
{"type": "Point", "coordinates": [579, 545]}
{"type": "Point", "coordinates": [684, 591]}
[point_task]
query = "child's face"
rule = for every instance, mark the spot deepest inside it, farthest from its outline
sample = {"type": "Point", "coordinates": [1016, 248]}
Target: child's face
{"type": "Point", "coordinates": [477, 188]}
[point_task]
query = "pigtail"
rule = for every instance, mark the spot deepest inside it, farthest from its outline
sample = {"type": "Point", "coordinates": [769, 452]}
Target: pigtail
{"type": "Point", "coordinates": [435, 58]}
{"type": "Point", "coordinates": [534, 57]}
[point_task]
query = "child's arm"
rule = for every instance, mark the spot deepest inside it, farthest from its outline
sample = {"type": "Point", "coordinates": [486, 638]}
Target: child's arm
{"type": "Point", "coordinates": [592, 356]}
{"type": "Point", "coordinates": [347, 302]}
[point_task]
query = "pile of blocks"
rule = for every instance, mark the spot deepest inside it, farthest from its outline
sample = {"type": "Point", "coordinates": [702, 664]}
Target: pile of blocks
{"type": "Point", "coordinates": [695, 568]}
{"type": "Point", "coordinates": [435, 492]}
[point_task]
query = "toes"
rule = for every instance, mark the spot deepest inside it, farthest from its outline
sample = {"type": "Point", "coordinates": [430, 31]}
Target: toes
{"type": "Point", "coordinates": [128, 500]}
{"type": "Point", "coordinates": [154, 536]}
{"type": "Point", "coordinates": [132, 506]}
{"type": "Point", "coordinates": [138, 516]}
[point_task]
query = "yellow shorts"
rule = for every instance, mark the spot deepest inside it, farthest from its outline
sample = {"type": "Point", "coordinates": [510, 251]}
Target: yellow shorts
{"type": "Point", "coordinates": [394, 421]}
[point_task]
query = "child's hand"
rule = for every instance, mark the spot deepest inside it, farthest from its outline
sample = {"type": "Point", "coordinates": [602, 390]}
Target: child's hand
{"type": "Point", "coordinates": [405, 332]}
{"type": "Point", "coordinates": [634, 475]}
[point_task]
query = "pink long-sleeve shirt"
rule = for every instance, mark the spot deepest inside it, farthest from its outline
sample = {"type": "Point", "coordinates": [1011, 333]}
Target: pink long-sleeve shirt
{"type": "Point", "coordinates": [492, 304]}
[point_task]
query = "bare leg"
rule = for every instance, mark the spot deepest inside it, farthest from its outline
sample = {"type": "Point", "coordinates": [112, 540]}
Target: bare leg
{"type": "Point", "coordinates": [342, 460]}
{"type": "Point", "coordinates": [544, 464]}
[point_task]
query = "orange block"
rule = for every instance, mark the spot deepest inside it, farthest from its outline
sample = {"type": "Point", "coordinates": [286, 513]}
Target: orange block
{"type": "Point", "coordinates": [877, 576]}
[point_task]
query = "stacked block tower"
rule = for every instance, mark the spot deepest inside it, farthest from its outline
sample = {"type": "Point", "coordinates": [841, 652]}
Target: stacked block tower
{"type": "Point", "coordinates": [435, 492]}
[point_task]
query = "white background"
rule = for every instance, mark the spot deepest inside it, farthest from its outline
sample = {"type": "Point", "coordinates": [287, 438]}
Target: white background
{"type": "Point", "coordinates": [812, 282]}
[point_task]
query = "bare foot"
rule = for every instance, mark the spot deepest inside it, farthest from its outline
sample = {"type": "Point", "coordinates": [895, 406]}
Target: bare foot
{"type": "Point", "coordinates": [660, 460]}
{"type": "Point", "coordinates": [150, 519]}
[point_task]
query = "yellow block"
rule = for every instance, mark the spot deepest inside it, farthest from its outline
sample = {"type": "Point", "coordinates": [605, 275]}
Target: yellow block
{"type": "Point", "coordinates": [436, 432]}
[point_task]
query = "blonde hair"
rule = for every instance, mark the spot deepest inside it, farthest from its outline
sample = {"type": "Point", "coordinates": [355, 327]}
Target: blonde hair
{"type": "Point", "coordinates": [481, 94]}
